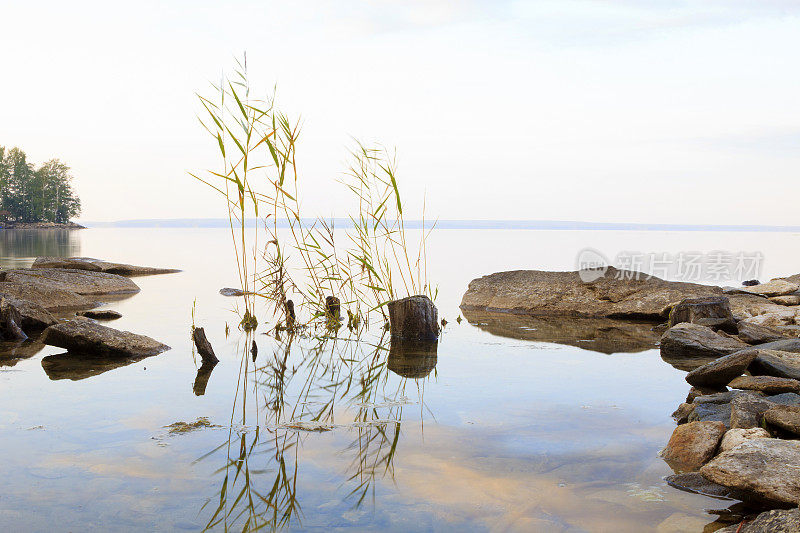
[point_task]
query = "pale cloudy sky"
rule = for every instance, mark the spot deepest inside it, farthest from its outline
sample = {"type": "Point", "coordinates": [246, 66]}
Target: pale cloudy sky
{"type": "Point", "coordinates": [630, 111]}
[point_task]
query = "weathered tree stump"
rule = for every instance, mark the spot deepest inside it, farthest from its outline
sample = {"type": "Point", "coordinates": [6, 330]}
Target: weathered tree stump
{"type": "Point", "coordinates": [412, 359]}
{"type": "Point", "coordinates": [290, 316]}
{"type": "Point", "coordinates": [204, 347]}
{"type": "Point", "coordinates": [414, 318]}
{"type": "Point", "coordinates": [712, 311]}
{"type": "Point", "coordinates": [10, 319]}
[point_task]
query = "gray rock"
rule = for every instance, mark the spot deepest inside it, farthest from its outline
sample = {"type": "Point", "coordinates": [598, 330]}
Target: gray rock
{"type": "Point", "coordinates": [696, 392]}
{"type": "Point", "coordinates": [776, 363]}
{"type": "Point", "coordinates": [755, 334]}
{"type": "Point", "coordinates": [695, 483]}
{"type": "Point", "coordinates": [45, 295]}
{"type": "Point", "coordinates": [712, 311]}
{"type": "Point", "coordinates": [682, 413]}
{"type": "Point", "coordinates": [747, 411]}
{"type": "Point", "coordinates": [613, 293]}
{"type": "Point", "coordinates": [695, 341]}
{"type": "Point", "coordinates": [692, 444]}
{"type": "Point", "coordinates": [89, 338]}
{"type": "Point", "coordinates": [98, 265]}
{"type": "Point", "coordinates": [721, 371]}
{"type": "Point", "coordinates": [766, 384]}
{"type": "Point", "coordinates": [229, 291]}
{"type": "Point", "coordinates": [100, 314]}
{"type": "Point", "coordinates": [773, 521]}
{"type": "Point", "coordinates": [786, 398]}
{"type": "Point", "coordinates": [736, 436]}
{"type": "Point", "coordinates": [776, 287]}
{"type": "Point", "coordinates": [783, 345]}
{"type": "Point", "coordinates": [766, 467]}
{"type": "Point", "coordinates": [77, 281]}
{"type": "Point", "coordinates": [33, 317]}
{"type": "Point", "coordinates": [789, 299]}
{"type": "Point", "coordinates": [786, 417]}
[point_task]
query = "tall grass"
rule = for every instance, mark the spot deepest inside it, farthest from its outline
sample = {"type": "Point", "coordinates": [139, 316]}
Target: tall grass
{"type": "Point", "coordinates": [259, 178]}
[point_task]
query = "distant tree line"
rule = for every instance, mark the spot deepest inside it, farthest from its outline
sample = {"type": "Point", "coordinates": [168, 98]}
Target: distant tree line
{"type": "Point", "coordinates": [29, 194]}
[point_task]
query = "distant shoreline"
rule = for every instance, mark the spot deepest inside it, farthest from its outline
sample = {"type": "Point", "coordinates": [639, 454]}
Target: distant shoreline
{"type": "Point", "coordinates": [40, 225]}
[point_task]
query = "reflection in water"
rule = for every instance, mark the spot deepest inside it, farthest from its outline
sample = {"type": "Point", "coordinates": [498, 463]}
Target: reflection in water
{"type": "Point", "coordinates": [412, 359]}
{"type": "Point", "coordinates": [602, 335]}
{"type": "Point", "coordinates": [19, 244]}
{"type": "Point", "coordinates": [203, 374]}
{"type": "Point", "coordinates": [81, 366]}
{"type": "Point", "coordinates": [12, 353]}
{"type": "Point", "coordinates": [308, 386]}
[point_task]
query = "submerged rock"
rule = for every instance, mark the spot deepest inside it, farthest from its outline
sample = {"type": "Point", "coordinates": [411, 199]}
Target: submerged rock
{"type": "Point", "coordinates": [692, 341]}
{"type": "Point", "coordinates": [765, 467]}
{"type": "Point", "coordinates": [89, 338]}
{"type": "Point", "coordinates": [692, 444]}
{"type": "Point", "coordinates": [100, 314]}
{"type": "Point", "coordinates": [694, 482]}
{"type": "Point", "coordinates": [721, 371]}
{"type": "Point", "coordinates": [98, 265]}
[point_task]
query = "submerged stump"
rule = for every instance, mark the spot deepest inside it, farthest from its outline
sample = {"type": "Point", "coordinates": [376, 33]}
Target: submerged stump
{"type": "Point", "coordinates": [414, 318]}
{"type": "Point", "coordinates": [204, 347]}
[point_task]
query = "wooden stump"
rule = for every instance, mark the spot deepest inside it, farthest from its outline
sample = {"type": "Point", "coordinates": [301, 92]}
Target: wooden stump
{"type": "Point", "coordinates": [204, 347]}
{"type": "Point", "coordinates": [414, 318]}
{"type": "Point", "coordinates": [412, 359]}
{"type": "Point", "coordinates": [290, 316]}
{"type": "Point", "coordinates": [332, 308]}
{"type": "Point", "coordinates": [712, 311]}
{"type": "Point", "coordinates": [201, 380]}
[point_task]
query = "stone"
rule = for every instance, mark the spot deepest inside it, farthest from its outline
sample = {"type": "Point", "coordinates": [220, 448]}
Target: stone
{"type": "Point", "coordinates": [413, 318]}
{"type": "Point", "coordinates": [100, 314]}
{"type": "Point", "coordinates": [228, 291]}
{"type": "Point", "coordinates": [712, 412]}
{"type": "Point", "coordinates": [32, 317]}
{"type": "Point", "coordinates": [98, 265]}
{"type": "Point", "coordinates": [695, 341]}
{"type": "Point", "coordinates": [204, 347]}
{"type": "Point", "coordinates": [750, 283]}
{"type": "Point", "coordinates": [750, 306]}
{"type": "Point", "coordinates": [783, 345]}
{"type": "Point", "coordinates": [89, 338]}
{"type": "Point", "coordinates": [711, 311]}
{"type": "Point", "coordinates": [608, 293]}
{"type": "Point", "coordinates": [786, 417]}
{"type": "Point", "coordinates": [692, 444]}
{"type": "Point", "coordinates": [695, 483]}
{"type": "Point", "coordinates": [735, 436]}
{"type": "Point", "coordinates": [776, 363]}
{"type": "Point", "coordinates": [755, 334]}
{"type": "Point", "coordinates": [10, 319]}
{"type": "Point", "coordinates": [77, 281]}
{"type": "Point", "coordinates": [720, 372]}
{"type": "Point", "coordinates": [772, 521]}
{"type": "Point", "coordinates": [696, 392]}
{"type": "Point", "coordinates": [45, 296]}
{"type": "Point", "coordinates": [767, 468]}
{"type": "Point", "coordinates": [776, 287]}
{"type": "Point", "coordinates": [747, 411]}
{"type": "Point", "coordinates": [789, 299]}
{"type": "Point", "coordinates": [766, 384]}
{"type": "Point", "coordinates": [785, 398]}
{"type": "Point", "coordinates": [682, 413]}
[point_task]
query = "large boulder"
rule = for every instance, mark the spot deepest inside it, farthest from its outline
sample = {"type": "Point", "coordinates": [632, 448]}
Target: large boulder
{"type": "Point", "coordinates": [695, 341]}
{"type": "Point", "coordinates": [747, 411]}
{"type": "Point", "coordinates": [765, 467]}
{"type": "Point", "coordinates": [610, 293]}
{"type": "Point", "coordinates": [89, 338]}
{"type": "Point", "coordinates": [720, 372]}
{"type": "Point", "coordinates": [776, 287]}
{"type": "Point", "coordinates": [776, 363]}
{"type": "Point", "coordinates": [45, 295]}
{"type": "Point", "coordinates": [712, 311]}
{"type": "Point", "coordinates": [78, 281]}
{"type": "Point", "coordinates": [692, 444]}
{"type": "Point", "coordinates": [98, 265]}
{"type": "Point", "coordinates": [766, 384]}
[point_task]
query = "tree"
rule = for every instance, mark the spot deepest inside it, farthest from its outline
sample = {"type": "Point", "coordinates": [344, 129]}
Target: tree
{"type": "Point", "coordinates": [36, 195]}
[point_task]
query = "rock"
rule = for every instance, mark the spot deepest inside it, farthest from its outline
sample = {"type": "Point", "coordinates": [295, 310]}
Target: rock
{"type": "Point", "coordinates": [765, 467]}
{"type": "Point", "coordinates": [786, 417]}
{"type": "Point", "coordinates": [77, 281]}
{"type": "Point", "coordinates": [783, 345]}
{"type": "Point", "coordinates": [695, 483]}
{"type": "Point", "coordinates": [692, 444]}
{"type": "Point", "coordinates": [695, 341]}
{"type": "Point", "coordinates": [772, 521]}
{"type": "Point", "coordinates": [696, 392]}
{"type": "Point", "coordinates": [776, 363]}
{"type": "Point", "coordinates": [750, 283]}
{"type": "Point", "coordinates": [789, 299]}
{"type": "Point", "coordinates": [793, 279]}
{"type": "Point", "coordinates": [412, 359]}
{"type": "Point", "coordinates": [414, 318]}
{"type": "Point", "coordinates": [755, 334]}
{"type": "Point", "coordinates": [604, 335]}
{"type": "Point", "coordinates": [736, 436]}
{"type": "Point", "coordinates": [724, 397]}
{"type": "Point", "coordinates": [747, 411]}
{"type": "Point", "coordinates": [45, 296]}
{"type": "Point", "coordinates": [712, 412]}
{"type": "Point", "coordinates": [613, 293]}
{"type": "Point", "coordinates": [711, 311]}
{"type": "Point", "coordinates": [766, 384]}
{"type": "Point", "coordinates": [32, 317]}
{"type": "Point", "coordinates": [204, 347]}
{"type": "Point", "coordinates": [10, 319]}
{"type": "Point", "coordinates": [721, 371]}
{"type": "Point", "coordinates": [90, 338]}
{"type": "Point", "coordinates": [681, 414]}
{"type": "Point", "coordinates": [744, 306]}
{"type": "Point", "coordinates": [228, 291]}
{"type": "Point", "coordinates": [776, 287]}
{"type": "Point", "coordinates": [100, 314]}
{"type": "Point", "coordinates": [98, 265]}
{"type": "Point", "coordinates": [786, 398]}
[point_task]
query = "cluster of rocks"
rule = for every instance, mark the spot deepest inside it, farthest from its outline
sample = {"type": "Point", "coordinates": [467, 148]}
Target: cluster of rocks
{"type": "Point", "coordinates": [738, 430]}
{"type": "Point", "coordinates": [52, 303]}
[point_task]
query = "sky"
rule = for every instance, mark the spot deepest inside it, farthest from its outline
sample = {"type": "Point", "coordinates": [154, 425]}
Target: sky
{"type": "Point", "coordinates": [606, 111]}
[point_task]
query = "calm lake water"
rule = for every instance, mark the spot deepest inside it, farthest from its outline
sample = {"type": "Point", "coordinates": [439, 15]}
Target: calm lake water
{"type": "Point", "coordinates": [493, 430]}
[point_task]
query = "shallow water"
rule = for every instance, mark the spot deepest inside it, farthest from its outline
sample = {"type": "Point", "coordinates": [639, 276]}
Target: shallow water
{"type": "Point", "coordinates": [505, 425]}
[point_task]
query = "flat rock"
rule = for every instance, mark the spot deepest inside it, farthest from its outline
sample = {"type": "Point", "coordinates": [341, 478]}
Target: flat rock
{"type": "Point", "coordinates": [789, 299]}
{"type": "Point", "coordinates": [747, 306]}
{"type": "Point", "coordinates": [712, 311]}
{"type": "Point", "coordinates": [783, 345]}
{"type": "Point", "coordinates": [776, 287]}
{"type": "Point", "coordinates": [755, 334]}
{"type": "Point", "coordinates": [33, 316]}
{"type": "Point", "coordinates": [44, 295]}
{"type": "Point", "coordinates": [81, 282]}
{"type": "Point", "coordinates": [735, 436]}
{"type": "Point", "coordinates": [693, 341]}
{"type": "Point", "coordinates": [773, 521]}
{"type": "Point", "coordinates": [229, 291]}
{"type": "Point", "coordinates": [613, 293]}
{"type": "Point", "coordinates": [786, 417]}
{"type": "Point", "coordinates": [721, 371]}
{"type": "Point", "coordinates": [100, 314]}
{"type": "Point", "coordinates": [776, 363]}
{"type": "Point", "coordinates": [747, 411]}
{"type": "Point", "coordinates": [692, 444]}
{"type": "Point", "coordinates": [98, 265]}
{"type": "Point", "coordinates": [766, 384]}
{"type": "Point", "coordinates": [766, 467]}
{"type": "Point", "coordinates": [694, 482]}
{"type": "Point", "coordinates": [89, 338]}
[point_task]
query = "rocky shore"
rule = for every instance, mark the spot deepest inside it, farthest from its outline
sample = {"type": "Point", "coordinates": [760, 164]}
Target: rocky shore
{"type": "Point", "coordinates": [51, 304]}
{"type": "Point", "coordinates": [738, 434]}
{"type": "Point", "coordinates": [40, 225]}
